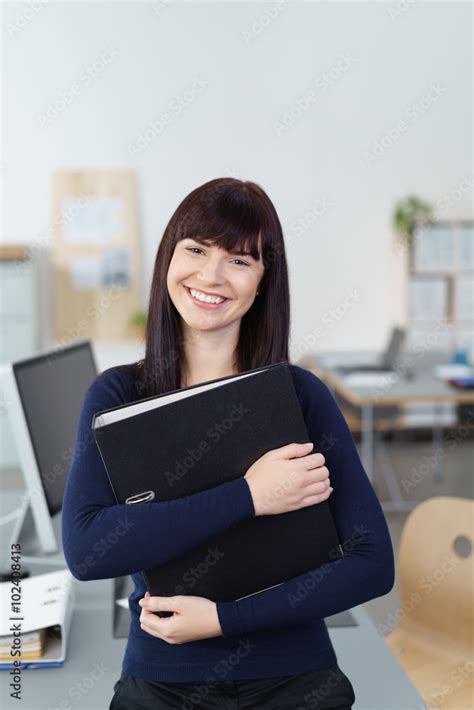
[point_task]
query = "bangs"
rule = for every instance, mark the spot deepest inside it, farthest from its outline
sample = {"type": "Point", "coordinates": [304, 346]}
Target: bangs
{"type": "Point", "coordinates": [229, 219]}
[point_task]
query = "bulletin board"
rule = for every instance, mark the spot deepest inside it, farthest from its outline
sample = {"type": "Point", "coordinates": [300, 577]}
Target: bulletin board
{"type": "Point", "coordinates": [95, 254]}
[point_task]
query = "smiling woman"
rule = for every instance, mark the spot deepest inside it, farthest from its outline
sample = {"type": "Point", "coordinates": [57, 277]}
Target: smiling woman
{"type": "Point", "coordinates": [224, 241]}
{"type": "Point", "coordinates": [219, 304]}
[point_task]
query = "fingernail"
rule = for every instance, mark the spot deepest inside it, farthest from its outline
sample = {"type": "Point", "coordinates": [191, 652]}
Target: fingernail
{"type": "Point", "coordinates": [147, 594]}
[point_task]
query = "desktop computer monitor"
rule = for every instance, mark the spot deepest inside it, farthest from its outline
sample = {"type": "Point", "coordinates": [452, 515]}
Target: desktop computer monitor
{"type": "Point", "coordinates": [44, 396]}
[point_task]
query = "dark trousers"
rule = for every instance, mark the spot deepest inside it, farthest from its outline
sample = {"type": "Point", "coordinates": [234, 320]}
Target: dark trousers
{"type": "Point", "coordinates": [318, 690]}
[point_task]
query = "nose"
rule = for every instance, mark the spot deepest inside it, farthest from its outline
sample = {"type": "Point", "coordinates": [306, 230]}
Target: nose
{"type": "Point", "coordinates": [211, 271]}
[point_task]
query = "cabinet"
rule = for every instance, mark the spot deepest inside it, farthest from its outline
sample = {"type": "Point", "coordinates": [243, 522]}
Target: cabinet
{"type": "Point", "coordinates": [19, 326]}
{"type": "Point", "coordinates": [441, 287]}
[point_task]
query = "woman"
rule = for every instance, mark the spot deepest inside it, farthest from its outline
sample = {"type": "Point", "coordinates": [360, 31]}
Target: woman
{"type": "Point", "coordinates": [272, 649]}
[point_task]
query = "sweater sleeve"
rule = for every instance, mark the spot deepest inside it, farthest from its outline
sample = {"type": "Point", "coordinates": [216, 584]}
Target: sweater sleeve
{"type": "Point", "coordinates": [102, 539]}
{"type": "Point", "coordinates": [364, 572]}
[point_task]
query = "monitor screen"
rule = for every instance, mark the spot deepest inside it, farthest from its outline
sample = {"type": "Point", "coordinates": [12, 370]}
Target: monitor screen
{"type": "Point", "coordinates": [52, 389]}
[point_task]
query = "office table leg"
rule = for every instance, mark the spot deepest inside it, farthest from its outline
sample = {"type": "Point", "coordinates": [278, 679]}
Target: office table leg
{"type": "Point", "coordinates": [437, 445]}
{"type": "Point", "coordinates": [396, 502]}
{"type": "Point", "coordinates": [368, 440]}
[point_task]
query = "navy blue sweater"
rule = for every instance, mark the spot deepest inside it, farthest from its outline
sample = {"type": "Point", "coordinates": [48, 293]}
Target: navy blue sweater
{"type": "Point", "coordinates": [280, 631]}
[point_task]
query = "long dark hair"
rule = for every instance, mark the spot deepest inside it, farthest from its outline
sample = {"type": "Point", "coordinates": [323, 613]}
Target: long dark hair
{"type": "Point", "coordinates": [232, 214]}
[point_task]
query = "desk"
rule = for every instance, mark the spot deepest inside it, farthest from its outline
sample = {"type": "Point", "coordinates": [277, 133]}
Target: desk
{"type": "Point", "coordinates": [94, 659]}
{"type": "Point", "coordinates": [397, 390]}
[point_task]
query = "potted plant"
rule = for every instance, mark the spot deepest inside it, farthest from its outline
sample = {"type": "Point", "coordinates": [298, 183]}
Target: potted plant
{"type": "Point", "coordinates": [409, 213]}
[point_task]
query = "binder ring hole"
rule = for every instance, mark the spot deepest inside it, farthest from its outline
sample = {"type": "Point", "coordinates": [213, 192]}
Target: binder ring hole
{"type": "Point", "coordinates": [144, 497]}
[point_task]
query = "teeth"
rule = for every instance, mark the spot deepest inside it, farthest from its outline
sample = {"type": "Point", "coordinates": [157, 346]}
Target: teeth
{"type": "Point", "coordinates": [207, 299]}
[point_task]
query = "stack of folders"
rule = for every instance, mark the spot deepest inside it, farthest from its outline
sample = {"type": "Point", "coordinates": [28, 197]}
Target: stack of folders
{"type": "Point", "coordinates": [35, 621]}
{"type": "Point", "coordinates": [32, 646]}
{"type": "Point", "coordinates": [183, 442]}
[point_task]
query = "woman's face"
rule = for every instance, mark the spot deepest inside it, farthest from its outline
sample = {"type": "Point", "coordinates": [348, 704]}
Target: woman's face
{"type": "Point", "coordinates": [208, 270]}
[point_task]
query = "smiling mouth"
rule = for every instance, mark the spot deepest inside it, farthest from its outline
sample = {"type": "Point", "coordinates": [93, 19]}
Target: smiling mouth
{"type": "Point", "coordinates": [205, 304]}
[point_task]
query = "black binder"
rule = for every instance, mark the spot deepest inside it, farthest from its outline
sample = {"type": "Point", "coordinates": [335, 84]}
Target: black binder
{"type": "Point", "coordinates": [150, 449]}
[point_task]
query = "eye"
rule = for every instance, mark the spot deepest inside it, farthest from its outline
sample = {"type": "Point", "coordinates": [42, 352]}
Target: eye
{"type": "Point", "coordinates": [200, 250]}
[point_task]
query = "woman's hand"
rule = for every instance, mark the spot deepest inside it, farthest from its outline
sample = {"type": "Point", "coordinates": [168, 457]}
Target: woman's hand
{"type": "Point", "coordinates": [288, 478]}
{"type": "Point", "coordinates": [194, 618]}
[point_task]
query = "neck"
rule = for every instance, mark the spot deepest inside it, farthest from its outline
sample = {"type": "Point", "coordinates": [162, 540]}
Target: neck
{"type": "Point", "coordinates": [209, 355]}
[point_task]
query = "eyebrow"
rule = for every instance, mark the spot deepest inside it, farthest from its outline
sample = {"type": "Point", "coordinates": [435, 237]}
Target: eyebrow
{"type": "Point", "coordinates": [242, 253]}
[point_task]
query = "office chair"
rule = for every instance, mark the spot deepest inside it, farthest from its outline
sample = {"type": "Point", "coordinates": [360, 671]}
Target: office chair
{"type": "Point", "coordinates": [433, 641]}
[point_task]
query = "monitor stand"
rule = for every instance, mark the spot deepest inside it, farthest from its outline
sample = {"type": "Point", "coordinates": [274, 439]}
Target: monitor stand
{"type": "Point", "coordinates": [24, 533]}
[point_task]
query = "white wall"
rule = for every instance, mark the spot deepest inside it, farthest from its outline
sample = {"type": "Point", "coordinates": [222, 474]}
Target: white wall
{"type": "Point", "coordinates": [390, 62]}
